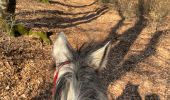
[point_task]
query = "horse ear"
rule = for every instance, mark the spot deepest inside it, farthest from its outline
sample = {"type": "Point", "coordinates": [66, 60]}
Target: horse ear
{"type": "Point", "coordinates": [62, 50]}
{"type": "Point", "coordinates": [98, 58]}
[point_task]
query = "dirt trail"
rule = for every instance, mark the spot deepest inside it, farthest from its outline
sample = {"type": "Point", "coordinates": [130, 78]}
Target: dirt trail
{"type": "Point", "coordinates": [139, 60]}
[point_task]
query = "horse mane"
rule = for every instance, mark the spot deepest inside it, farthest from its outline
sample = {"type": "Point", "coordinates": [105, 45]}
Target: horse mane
{"type": "Point", "coordinates": [85, 81]}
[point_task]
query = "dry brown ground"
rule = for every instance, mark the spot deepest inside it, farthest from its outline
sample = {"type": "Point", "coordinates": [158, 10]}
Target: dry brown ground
{"type": "Point", "coordinates": [139, 61]}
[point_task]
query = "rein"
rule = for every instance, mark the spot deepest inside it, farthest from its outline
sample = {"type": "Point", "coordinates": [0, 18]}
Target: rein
{"type": "Point", "coordinates": [56, 74]}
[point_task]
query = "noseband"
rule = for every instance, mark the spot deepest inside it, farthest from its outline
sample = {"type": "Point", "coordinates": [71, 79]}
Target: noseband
{"type": "Point", "coordinates": [56, 74]}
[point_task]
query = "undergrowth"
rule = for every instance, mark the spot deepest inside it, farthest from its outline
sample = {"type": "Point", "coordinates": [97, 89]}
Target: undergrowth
{"type": "Point", "coordinates": [153, 10]}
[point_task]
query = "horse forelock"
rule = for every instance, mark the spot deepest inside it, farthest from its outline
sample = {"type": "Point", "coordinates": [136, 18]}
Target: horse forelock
{"type": "Point", "coordinates": [82, 82]}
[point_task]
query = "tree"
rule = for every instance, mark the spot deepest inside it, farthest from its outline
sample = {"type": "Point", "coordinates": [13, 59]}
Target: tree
{"type": "Point", "coordinates": [7, 22]}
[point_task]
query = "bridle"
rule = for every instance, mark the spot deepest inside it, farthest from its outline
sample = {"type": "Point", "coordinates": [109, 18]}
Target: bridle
{"type": "Point", "coordinates": [57, 73]}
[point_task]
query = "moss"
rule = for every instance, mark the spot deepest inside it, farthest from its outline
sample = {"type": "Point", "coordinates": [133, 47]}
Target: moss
{"type": "Point", "coordinates": [19, 29]}
{"type": "Point", "coordinates": [41, 35]}
{"type": "Point", "coordinates": [44, 1]}
{"type": "Point", "coordinates": [22, 30]}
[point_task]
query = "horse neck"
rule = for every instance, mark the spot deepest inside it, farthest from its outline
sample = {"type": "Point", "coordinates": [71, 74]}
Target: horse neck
{"type": "Point", "coordinates": [73, 90]}
{"type": "Point", "coordinates": [70, 89]}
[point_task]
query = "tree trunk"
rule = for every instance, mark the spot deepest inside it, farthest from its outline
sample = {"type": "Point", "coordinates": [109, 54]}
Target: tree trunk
{"type": "Point", "coordinates": [7, 11]}
{"type": "Point", "coordinates": [7, 22]}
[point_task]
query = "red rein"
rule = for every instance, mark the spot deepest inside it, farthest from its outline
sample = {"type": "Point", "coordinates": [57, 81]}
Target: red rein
{"type": "Point", "coordinates": [56, 75]}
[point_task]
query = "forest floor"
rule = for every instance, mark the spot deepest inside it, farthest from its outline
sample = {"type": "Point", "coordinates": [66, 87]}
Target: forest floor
{"type": "Point", "coordinates": [139, 61]}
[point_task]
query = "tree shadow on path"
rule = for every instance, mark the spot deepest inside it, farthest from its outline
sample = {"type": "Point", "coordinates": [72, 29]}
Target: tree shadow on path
{"type": "Point", "coordinates": [64, 22]}
{"type": "Point", "coordinates": [117, 64]}
{"type": "Point", "coordinates": [130, 93]}
{"type": "Point", "coordinates": [74, 6]}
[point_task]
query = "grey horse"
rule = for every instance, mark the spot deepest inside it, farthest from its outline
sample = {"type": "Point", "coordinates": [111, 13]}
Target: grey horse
{"type": "Point", "coordinates": [76, 75]}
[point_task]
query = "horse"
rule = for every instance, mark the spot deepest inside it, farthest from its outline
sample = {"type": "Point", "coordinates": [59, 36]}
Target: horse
{"type": "Point", "coordinates": [77, 74]}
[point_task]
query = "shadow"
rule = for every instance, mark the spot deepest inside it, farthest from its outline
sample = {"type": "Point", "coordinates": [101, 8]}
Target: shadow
{"type": "Point", "coordinates": [149, 50]}
{"type": "Point", "coordinates": [130, 93]}
{"type": "Point", "coordinates": [64, 22]}
{"type": "Point", "coordinates": [127, 39]}
{"type": "Point", "coordinates": [53, 12]}
{"type": "Point", "coordinates": [152, 96]}
{"type": "Point", "coordinates": [75, 6]}
{"type": "Point", "coordinates": [117, 68]}
{"type": "Point", "coordinates": [118, 65]}
{"type": "Point", "coordinates": [114, 67]}
{"type": "Point", "coordinates": [113, 36]}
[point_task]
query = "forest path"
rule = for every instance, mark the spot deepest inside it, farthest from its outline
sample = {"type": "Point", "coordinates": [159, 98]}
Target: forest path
{"type": "Point", "coordinates": [139, 61]}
